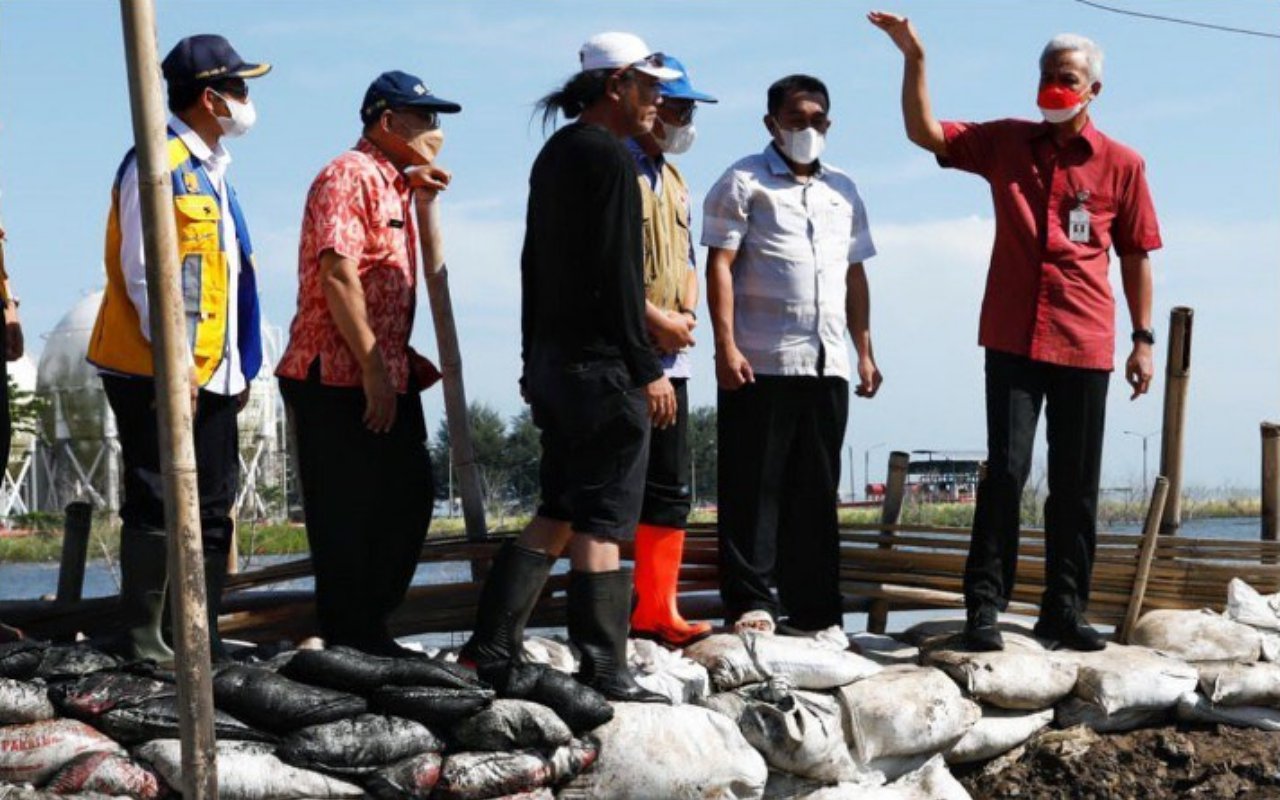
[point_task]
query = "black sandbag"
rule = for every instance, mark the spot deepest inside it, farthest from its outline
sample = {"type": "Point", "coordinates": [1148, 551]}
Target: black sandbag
{"type": "Point", "coordinates": [476, 776]}
{"type": "Point", "coordinates": [349, 670]}
{"type": "Point", "coordinates": [65, 662]}
{"type": "Point", "coordinates": [358, 745]}
{"type": "Point", "coordinates": [92, 695]}
{"type": "Point", "coordinates": [111, 774]}
{"type": "Point", "coordinates": [511, 725]}
{"type": "Point", "coordinates": [20, 660]}
{"type": "Point", "coordinates": [274, 703]}
{"type": "Point", "coordinates": [157, 718]}
{"type": "Point", "coordinates": [581, 707]}
{"type": "Point", "coordinates": [434, 707]}
{"type": "Point", "coordinates": [411, 779]}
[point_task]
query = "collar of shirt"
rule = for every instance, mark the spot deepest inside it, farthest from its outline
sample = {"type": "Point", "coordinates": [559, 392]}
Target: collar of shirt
{"type": "Point", "coordinates": [778, 165]}
{"type": "Point", "coordinates": [388, 170]}
{"type": "Point", "coordinates": [215, 160]}
{"type": "Point", "coordinates": [1088, 136]}
{"type": "Point", "coordinates": [650, 166]}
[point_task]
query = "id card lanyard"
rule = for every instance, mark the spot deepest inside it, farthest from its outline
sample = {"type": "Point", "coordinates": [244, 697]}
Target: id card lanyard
{"type": "Point", "coordinates": [1078, 219]}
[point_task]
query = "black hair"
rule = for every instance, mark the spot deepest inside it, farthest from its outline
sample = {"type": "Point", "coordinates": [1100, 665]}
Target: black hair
{"type": "Point", "coordinates": [186, 94]}
{"type": "Point", "coordinates": [577, 95]}
{"type": "Point", "coordinates": [783, 87]}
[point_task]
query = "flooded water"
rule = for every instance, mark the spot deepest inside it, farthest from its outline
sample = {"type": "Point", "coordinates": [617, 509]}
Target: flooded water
{"type": "Point", "coordinates": [28, 581]}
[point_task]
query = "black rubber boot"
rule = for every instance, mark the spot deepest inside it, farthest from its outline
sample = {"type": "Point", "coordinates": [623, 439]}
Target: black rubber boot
{"type": "Point", "coordinates": [599, 614]}
{"type": "Point", "coordinates": [143, 580]}
{"type": "Point", "coordinates": [508, 598]}
{"type": "Point", "coordinates": [980, 631]}
{"type": "Point", "coordinates": [215, 580]}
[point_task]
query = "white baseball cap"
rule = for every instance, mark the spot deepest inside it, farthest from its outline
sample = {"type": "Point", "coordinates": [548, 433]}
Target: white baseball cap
{"type": "Point", "coordinates": [616, 50]}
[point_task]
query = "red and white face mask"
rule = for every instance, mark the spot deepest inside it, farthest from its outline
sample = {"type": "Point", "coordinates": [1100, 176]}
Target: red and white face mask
{"type": "Point", "coordinates": [1059, 104]}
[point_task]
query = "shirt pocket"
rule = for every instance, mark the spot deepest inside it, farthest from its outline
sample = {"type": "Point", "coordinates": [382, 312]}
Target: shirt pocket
{"type": "Point", "coordinates": [1102, 212]}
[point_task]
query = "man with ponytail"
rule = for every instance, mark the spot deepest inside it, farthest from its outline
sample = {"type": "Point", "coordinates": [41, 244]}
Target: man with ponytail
{"type": "Point", "coordinates": [1064, 195]}
{"type": "Point", "coordinates": [671, 297]}
{"type": "Point", "coordinates": [591, 376]}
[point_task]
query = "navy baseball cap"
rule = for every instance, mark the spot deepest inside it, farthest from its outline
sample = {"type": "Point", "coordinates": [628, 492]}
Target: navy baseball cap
{"type": "Point", "coordinates": [207, 57]}
{"type": "Point", "coordinates": [680, 88]}
{"type": "Point", "coordinates": [396, 89]}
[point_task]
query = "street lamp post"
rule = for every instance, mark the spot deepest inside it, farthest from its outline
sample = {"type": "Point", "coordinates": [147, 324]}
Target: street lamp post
{"type": "Point", "coordinates": [866, 467]}
{"type": "Point", "coordinates": [1144, 437]}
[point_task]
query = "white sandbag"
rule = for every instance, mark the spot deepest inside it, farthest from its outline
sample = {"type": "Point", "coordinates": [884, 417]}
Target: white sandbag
{"type": "Point", "coordinates": [1246, 605]}
{"type": "Point", "coordinates": [1120, 678]}
{"type": "Point", "coordinates": [555, 654]}
{"type": "Point", "coordinates": [1241, 684]}
{"type": "Point", "coordinates": [659, 752]}
{"type": "Point", "coordinates": [734, 660]}
{"type": "Point", "coordinates": [1020, 677]}
{"type": "Point", "coordinates": [905, 711]}
{"type": "Point", "coordinates": [1197, 636]}
{"type": "Point", "coordinates": [998, 732]}
{"type": "Point", "coordinates": [1195, 707]}
{"type": "Point", "coordinates": [1073, 711]}
{"type": "Point", "coordinates": [1270, 644]}
{"type": "Point", "coordinates": [24, 701]}
{"type": "Point", "coordinates": [801, 733]}
{"type": "Point", "coordinates": [667, 672]}
{"type": "Point", "coordinates": [884, 650]}
{"type": "Point", "coordinates": [933, 781]}
{"type": "Point", "coordinates": [33, 752]}
{"type": "Point", "coordinates": [248, 771]}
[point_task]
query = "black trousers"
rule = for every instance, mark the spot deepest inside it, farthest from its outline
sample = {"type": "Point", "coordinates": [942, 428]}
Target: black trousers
{"type": "Point", "coordinates": [6, 422]}
{"type": "Point", "coordinates": [367, 500]}
{"type": "Point", "coordinates": [778, 443]}
{"type": "Point", "coordinates": [217, 445]}
{"type": "Point", "coordinates": [1075, 412]}
{"type": "Point", "coordinates": [667, 484]}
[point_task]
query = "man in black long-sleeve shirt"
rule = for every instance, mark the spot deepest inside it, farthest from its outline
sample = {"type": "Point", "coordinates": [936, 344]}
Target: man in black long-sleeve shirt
{"type": "Point", "coordinates": [591, 376]}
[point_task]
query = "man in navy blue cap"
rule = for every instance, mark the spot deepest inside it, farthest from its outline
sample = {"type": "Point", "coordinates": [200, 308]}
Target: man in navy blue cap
{"type": "Point", "coordinates": [349, 377]}
{"type": "Point", "coordinates": [671, 297]}
{"type": "Point", "coordinates": [209, 99]}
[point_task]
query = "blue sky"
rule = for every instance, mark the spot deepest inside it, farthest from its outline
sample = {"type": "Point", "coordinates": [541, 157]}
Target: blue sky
{"type": "Point", "coordinates": [1203, 107]}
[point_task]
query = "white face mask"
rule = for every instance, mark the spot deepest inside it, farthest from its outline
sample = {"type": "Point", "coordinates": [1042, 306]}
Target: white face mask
{"type": "Point", "coordinates": [803, 146]}
{"type": "Point", "coordinates": [676, 139]}
{"type": "Point", "coordinates": [1056, 115]}
{"type": "Point", "coordinates": [243, 115]}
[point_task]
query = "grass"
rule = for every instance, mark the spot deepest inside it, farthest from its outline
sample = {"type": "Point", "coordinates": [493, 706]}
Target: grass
{"type": "Point", "coordinates": [45, 544]}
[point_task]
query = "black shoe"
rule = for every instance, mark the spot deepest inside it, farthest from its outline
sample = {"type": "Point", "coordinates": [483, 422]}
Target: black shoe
{"type": "Point", "coordinates": [1069, 631]}
{"type": "Point", "coordinates": [599, 614]}
{"type": "Point", "coordinates": [980, 631]}
{"type": "Point", "coordinates": [510, 592]}
{"type": "Point", "coordinates": [215, 581]}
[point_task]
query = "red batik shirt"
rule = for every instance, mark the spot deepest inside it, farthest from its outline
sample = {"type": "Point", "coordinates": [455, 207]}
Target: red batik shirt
{"type": "Point", "coordinates": [1047, 297]}
{"type": "Point", "coordinates": [359, 207]}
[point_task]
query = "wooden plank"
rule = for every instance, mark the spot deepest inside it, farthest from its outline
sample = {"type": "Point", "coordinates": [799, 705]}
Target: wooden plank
{"type": "Point", "coordinates": [1150, 534]}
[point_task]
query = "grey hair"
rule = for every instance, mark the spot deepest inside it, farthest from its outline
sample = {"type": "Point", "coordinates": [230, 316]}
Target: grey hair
{"type": "Point", "coordinates": [1071, 41]}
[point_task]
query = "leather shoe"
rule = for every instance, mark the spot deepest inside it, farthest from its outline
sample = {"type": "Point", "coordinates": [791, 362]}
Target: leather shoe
{"type": "Point", "coordinates": [1070, 631]}
{"type": "Point", "coordinates": [980, 631]}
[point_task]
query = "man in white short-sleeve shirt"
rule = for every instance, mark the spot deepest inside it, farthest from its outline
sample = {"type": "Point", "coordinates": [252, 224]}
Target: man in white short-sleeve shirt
{"type": "Point", "coordinates": [787, 237]}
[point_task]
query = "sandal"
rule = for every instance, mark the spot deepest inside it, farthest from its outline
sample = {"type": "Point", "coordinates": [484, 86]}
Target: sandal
{"type": "Point", "coordinates": [756, 621]}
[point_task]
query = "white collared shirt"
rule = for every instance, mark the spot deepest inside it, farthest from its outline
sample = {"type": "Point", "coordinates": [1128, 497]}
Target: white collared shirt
{"type": "Point", "coordinates": [796, 241]}
{"type": "Point", "coordinates": [228, 379]}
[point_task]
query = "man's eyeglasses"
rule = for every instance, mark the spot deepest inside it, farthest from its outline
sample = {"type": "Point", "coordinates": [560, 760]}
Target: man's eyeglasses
{"type": "Point", "coordinates": [237, 89]}
{"type": "Point", "coordinates": [682, 110]}
{"type": "Point", "coordinates": [427, 120]}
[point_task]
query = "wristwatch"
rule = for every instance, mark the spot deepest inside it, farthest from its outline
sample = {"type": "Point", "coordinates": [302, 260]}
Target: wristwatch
{"type": "Point", "coordinates": [1144, 335]}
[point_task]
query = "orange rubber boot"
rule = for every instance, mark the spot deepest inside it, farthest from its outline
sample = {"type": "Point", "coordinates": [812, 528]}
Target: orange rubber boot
{"type": "Point", "coordinates": [658, 554]}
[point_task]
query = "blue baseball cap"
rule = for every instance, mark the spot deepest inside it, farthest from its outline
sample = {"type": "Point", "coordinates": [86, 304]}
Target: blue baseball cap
{"type": "Point", "coordinates": [396, 89]}
{"type": "Point", "coordinates": [207, 57]}
{"type": "Point", "coordinates": [680, 88]}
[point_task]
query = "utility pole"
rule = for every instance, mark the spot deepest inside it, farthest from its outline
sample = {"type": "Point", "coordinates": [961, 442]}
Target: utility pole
{"type": "Point", "coordinates": [866, 467]}
{"type": "Point", "coordinates": [1144, 437]}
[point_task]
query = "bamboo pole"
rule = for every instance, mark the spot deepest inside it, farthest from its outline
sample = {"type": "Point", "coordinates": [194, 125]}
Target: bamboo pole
{"type": "Point", "coordinates": [455, 395]}
{"type": "Point", "coordinates": [1150, 533]}
{"type": "Point", "coordinates": [1177, 378]}
{"type": "Point", "coordinates": [890, 511]}
{"type": "Point", "coordinates": [1270, 481]}
{"type": "Point", "coordinates": [173, 405]}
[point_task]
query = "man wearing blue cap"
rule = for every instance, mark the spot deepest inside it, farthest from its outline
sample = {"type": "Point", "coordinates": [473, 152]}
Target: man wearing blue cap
{"type": "Point", "coordinates": [349, 377]}
{"type": "Point", "coordinates": [209, 99]}
{"type": "Point", "coordinates": [671, 295]}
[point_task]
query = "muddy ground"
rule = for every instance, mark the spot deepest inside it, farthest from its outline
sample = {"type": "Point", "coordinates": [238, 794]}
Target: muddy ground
{"type": "Point", "coordinates": [1150, 764]}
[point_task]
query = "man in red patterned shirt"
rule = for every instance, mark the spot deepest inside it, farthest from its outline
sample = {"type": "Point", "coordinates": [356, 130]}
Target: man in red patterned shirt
{"type": "Point", "coordinates": [349, 377]}
{"type": "Point", "coordinates": [1064, 196]}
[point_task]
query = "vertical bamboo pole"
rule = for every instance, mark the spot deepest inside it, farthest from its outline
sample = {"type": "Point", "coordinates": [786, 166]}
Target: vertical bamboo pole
{"type": "Point", "coordinates": [1270, 481]}
{"type": "Point", "coordinates": [1150, 533]}
{"type": "Point", "coordinates": [173, 405]}
{"type": "Point", "coordinates": [894, 493]}
{"type": "Point", "coordinates": [1177, 378]}
{"type": "Point", "coordinates": [455, 395]}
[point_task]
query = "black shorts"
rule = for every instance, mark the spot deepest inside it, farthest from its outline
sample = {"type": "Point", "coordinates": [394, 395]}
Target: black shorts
{"type": "Point", "coordinates": [667, 493]}
{"type": "Point", "coordinates": [595, 446]}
